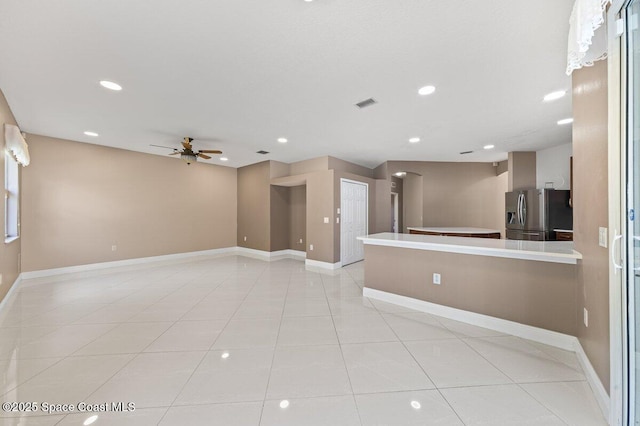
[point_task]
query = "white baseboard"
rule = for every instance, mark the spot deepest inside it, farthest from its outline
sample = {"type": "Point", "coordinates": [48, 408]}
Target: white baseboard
{"type": "Point", "coordinates": [323, 265]}
{"type": "Point", "coordinates": [9, 295]}
{"type": "Point", "coordinates": [271, 255]}
{"type": "Point", "coordinates": [548, 337]}
{"type": "Point", "coordinates": [126, 262]}
{"type": "Point", "coordinates": [599, 391]}
{"type": "Point", "coordinates": [259, 254]}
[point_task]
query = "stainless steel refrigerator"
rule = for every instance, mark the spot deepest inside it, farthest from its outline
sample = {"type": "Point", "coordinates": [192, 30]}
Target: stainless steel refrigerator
{"type": "Point", "coordinates": [534, 214]}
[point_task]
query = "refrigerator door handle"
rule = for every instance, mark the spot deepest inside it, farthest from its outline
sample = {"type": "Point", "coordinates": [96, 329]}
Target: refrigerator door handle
{"type": "Point", "coordinates": [518, 209]}
{"type": "Point", "coordinates": [523, 209]}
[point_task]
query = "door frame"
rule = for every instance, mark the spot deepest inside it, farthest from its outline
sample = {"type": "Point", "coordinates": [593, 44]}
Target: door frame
{"type": "Point", "coordinates": [616, 75]}
{"type": "Point", "coordinates": [366, 219]}
{"type": "Point", "coordinates": [396, 219]}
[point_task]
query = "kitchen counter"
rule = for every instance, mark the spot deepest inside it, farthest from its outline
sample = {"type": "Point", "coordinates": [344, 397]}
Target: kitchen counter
{"type": "Point", "coordinates": [497, 279]}
{"type": "Point", "coordinates": [456, 232]}
{"type": "Point", "coordinates": [542, 251]}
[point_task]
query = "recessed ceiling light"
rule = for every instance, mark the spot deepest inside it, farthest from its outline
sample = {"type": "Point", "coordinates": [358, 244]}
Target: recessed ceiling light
{"type": "Point", "coordinates": [565, 121]}
{"type": "Point", "coordinates": [416, 405]}
{"type": "Point", "coordinates": [284, 403]}
{"type": "Point", "coordinates": [88, 133]}
{"type": "Point", "coordinates": [224, 159]}
{"type": "Point", "coordinates": [110, 85]}
{"type": "Point", "coordinates": [90, 420]}
{"type": "Point", "coordinates": [414, 140]}
{"type": "Point", "coordinates": [554, 95]}
{"type": "Point", "coordinates": [426, 90]}
{"type": "Point", "coordinates": [225, 355]}
{"type": "Point", "coordinates": [282, 140]}
{"type": "Point", "coordinates": [489, 146]}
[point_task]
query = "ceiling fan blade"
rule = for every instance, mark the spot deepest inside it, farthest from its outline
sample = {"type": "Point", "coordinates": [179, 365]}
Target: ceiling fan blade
{"type": "Point", "coordinates": [175, 153]}
{"type": "Point", "coordinates": [160, 146]}
{"type": "Point", "coordinates": [211, 151]}
{"type": "Point", "coordinates": [187, 142]}
{"type": "Point", "coordinates": [201, 155]}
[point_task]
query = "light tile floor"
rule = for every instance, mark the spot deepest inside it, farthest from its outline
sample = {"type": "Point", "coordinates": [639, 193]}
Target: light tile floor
{"type": "Point", "coordinates": [226, 340]}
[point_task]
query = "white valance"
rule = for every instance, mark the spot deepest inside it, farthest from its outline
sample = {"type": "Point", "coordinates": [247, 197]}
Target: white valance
{"type": "Point", "coordinates": [587, 36]}
{"type": "Point", "coordinates": [15, 144]}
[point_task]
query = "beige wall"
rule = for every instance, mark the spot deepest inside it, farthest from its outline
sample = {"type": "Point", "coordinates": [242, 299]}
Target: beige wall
{"type": "Point", "coordinates": [312, 165]}
{"type": "Point", "coordinates": [454, 194]}
{"type": "Point", "coordinates": [539, 294]}
{"type": "Point", "coordinates": [321, 204]}
{"type": "Point", "coordinates": [347, 167]}
{"type": "Point", "coordinates": [80, 199]}
{"type": "Point", "coordinates": [413, 201]}
{"type": "Point", "coordinates": [254, 214]}
{"type": "Point", "coordinates": [280, 206]}
{"type": "Point", "coordinates": [298, 214]}
{"type": "Point", "coordinates": [522, 170]}
{"type": "Point", "coordinates": [590, 189]}
{"type": "Point", "coordinates": [9, 253]}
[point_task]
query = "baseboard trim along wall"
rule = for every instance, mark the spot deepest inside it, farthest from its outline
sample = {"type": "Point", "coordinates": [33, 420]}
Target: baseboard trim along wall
{"type": "Point", "coordinates": [271, 255]}
{"type": "Point", "coordinates": [323, 265]}
{"type": "Point", "coordinates": [599, 391]}
{"type": "Point", "coordinates": [548, 337]}
{"type": "Point", "coordinates": [4, 302]}
{"type": "Point", "coordinates": [259, 254]}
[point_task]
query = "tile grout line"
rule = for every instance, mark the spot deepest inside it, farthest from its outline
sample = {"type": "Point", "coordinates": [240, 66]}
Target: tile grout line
{"type": "Point", "coordinates": [205, 354]}
{"type": "Point", "coordinates": [344, 362]}
{"type": "Point", "coordinates": [420, 365]}
{"type": "Point", "coordinates": [273, 357]}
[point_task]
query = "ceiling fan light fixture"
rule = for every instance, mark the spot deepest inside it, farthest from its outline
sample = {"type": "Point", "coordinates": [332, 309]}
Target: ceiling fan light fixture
{"type": "Point", "coordinates": [188, 158]}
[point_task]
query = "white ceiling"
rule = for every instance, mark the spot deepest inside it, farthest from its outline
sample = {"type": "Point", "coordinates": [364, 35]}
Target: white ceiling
{"type": "Point", "coordinates": [242, 73]}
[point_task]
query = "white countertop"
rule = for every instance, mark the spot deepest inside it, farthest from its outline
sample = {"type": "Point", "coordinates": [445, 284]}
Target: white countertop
{"type": "Point", "coordinates": [543, 251]}
{"type": "Point", "coordinates": [456, 230]}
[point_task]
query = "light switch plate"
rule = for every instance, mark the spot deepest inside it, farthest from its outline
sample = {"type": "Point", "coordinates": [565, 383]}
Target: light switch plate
{"type": "Point", "coordinates": [602, 237]}
{"type": "Point", "coordinates": [311, 247]}
{"type": "Point", "coordinates": [326, 220]}
{"type": "Point", "coordinates": [436, 279]}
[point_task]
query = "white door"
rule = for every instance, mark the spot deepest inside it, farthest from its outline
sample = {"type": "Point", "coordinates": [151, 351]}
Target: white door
{"type": "Point", "coordinates": [394, 212]}
{"type": "Point", "coordinates": [354, 216]}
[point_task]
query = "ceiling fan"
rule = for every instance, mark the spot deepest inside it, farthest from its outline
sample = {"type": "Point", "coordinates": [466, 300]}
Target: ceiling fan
{"type": "Point", "coordinates": [188, 154]}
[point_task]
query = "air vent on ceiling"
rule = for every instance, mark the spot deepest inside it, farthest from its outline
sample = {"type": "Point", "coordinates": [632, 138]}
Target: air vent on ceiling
{"type": "Point", "coordinates": [465, 152]}
{"type": "Point", "coordinates": [366, 103]}
{"type": "Point", "coordinates": [262, 152]}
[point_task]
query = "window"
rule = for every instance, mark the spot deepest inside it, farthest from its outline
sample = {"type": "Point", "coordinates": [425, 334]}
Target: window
{"type": "Point", "coordinates": [11, 199]}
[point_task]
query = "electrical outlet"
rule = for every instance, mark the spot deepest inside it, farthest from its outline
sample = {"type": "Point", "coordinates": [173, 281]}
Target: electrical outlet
{"type": "Point", "coordinates": [436, 279]}
{"type": "Point", "coordinates": [337, 220]}
{"type": "Point", "coordinates": [326, 220]}
{"type": "Point", "coordinates": [602, 237]}
{"type": "Point", "coordinates": [338, 210]}
{"type": "Point", "coordinates": [245, 238]}
{"type": "Point", "coordinates": [114, 248]}
{"type": "Point", "coordinates": [300, 240]}
{"type": "Point", "coordinates": [311, 247]}
{"type": "Point", "coordinates": [0, 279]}
{"type": "Point", "coordinates": [586, 317]}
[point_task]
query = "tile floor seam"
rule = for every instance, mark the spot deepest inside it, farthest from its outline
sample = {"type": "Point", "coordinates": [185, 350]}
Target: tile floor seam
{"type": "Point", "coordinates": [273, 357]}
{"type": "Point", "coordinates": [542, 403]}
{"type": "Point", "coordinates": [335, 329]}
{"type": "Point", "coordinates": [422, 368]}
